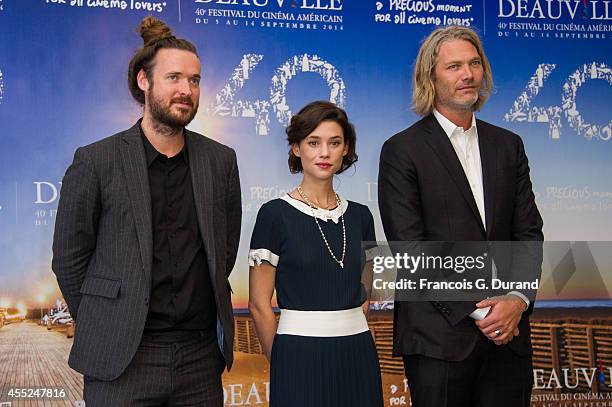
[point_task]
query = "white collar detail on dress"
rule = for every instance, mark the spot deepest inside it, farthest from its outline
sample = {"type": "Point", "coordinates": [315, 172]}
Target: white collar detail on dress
{"type": "Point", "coordinates": [323, 214]}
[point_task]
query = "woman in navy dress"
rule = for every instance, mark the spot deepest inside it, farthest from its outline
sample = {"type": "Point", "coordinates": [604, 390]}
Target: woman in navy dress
{"type": "Point", "coordinates": [308, 246]}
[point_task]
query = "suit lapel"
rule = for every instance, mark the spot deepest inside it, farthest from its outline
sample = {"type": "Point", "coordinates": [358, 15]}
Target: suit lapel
{"type": "Point", "coordinates": [488, 158]}
{"type": "Point", "coordinates": [439, 142]}
{"type": "Point", "coordinates": [137, 179]}
{"type": "Point", "coordinates": [203, 194]}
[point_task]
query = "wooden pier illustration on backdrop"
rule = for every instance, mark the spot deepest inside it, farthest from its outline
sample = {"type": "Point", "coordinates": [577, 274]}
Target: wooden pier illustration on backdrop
{"type": "Point", "coordinates": [576, 341]}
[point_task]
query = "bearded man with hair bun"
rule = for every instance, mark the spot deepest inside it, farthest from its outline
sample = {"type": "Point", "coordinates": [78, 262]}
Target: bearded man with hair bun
{"type": "Point", "coordinates": [146, 236]}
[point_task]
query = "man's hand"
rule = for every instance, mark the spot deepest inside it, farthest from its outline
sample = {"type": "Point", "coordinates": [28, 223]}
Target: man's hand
{"type": "Point", "coordinates": [500, 324]}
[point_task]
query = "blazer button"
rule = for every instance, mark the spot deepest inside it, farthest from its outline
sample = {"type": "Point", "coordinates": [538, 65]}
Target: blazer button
{"type": "Point", "coordinates": [146, 301]}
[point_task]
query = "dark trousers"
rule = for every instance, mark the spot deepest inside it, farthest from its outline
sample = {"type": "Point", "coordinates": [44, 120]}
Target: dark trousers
{"type": "Point", "coordinates": [491, 376]}
{"type": "Point", "coordinates": [171, 369]}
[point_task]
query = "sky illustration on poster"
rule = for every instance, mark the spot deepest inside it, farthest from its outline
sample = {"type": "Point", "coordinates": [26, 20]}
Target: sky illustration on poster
{"type": "Point", "coordinates": [63, 85]}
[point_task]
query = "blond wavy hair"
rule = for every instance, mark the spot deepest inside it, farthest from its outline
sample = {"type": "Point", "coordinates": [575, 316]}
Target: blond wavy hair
{"type": "Point", "coordinates": [423, 90]}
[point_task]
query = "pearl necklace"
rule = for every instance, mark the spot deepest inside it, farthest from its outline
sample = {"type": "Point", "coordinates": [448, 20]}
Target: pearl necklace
{"type": "Point", "coordinates": [312, 207]}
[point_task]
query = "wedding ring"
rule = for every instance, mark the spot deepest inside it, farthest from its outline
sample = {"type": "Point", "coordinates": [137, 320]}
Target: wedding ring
{"type": "Point", "coordinates": [497, 332]}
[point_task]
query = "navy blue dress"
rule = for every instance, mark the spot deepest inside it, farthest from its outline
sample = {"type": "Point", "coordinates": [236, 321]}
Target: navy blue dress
{"type": "Point", "coordinates": [318, 371]}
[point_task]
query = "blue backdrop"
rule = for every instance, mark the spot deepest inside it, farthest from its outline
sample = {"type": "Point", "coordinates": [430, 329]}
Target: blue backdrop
{"type": "Point", "coordinates": [63, 84]}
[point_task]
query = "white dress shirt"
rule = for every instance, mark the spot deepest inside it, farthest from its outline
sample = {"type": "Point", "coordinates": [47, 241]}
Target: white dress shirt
{"type": "Point", "coordinates": [465, 144]}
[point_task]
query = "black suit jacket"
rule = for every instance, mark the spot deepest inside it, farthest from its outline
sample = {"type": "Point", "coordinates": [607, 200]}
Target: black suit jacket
{"type": "Point", "coordinates": [424, 195]}
{"type": "Point", "coordinates": [103, 243]}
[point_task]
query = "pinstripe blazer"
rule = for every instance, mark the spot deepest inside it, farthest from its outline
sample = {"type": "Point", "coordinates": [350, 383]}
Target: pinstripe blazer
{"type": "Point", "coordinates": [103, 243]}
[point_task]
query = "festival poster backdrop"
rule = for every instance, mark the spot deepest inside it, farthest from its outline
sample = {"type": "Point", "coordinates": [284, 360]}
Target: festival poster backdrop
{"type": "Point", "coordinates": [63, 66]}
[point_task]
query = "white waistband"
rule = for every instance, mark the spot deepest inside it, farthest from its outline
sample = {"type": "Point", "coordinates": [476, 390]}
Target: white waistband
{"type": "Point", "coordinates": [322, 323]}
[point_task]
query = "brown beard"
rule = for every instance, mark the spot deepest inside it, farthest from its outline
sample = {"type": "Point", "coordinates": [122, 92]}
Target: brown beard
{"type": "Point", "coordinates": [165, 116]}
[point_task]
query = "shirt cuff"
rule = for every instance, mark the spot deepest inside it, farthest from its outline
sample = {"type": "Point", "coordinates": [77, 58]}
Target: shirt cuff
{"type": "Point", "coordinates": [480, 313]}
{"type": "Point", "coordinates": [372, 252]}
{"type": "Point", "coordinates": [521, 296]}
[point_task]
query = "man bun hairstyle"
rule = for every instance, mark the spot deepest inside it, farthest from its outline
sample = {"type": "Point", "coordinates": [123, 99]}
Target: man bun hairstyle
{"type": "Point", "coordinates": [152, 30]}
{"type": "Point", "coordinates": [156, 35]}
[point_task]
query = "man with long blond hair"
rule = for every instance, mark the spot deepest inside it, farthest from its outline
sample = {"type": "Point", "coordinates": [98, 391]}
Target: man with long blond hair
{"type": "Point", "coordinates": [451, 177]}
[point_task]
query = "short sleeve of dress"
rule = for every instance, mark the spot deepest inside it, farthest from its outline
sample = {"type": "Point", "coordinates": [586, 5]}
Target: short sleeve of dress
{"type": "Point", "coordinates": [266, 238]}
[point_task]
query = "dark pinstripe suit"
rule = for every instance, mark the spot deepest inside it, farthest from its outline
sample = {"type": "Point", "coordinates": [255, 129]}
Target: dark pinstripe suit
{"type": "Point", "coordinates": [102, 248]}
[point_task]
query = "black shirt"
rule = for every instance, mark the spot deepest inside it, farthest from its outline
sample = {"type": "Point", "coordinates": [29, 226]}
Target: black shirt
{"type": "Point", "coordinates": [181, 293]}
